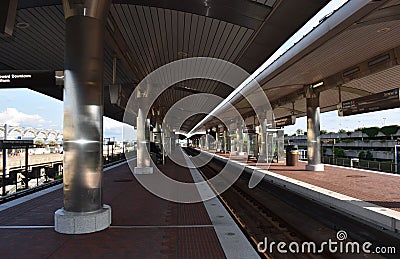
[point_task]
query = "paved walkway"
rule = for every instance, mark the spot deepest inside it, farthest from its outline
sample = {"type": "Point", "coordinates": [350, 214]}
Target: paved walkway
{"type": "Point", "coordinates": [143, 225]}
{"type": "Point", "coordinates": [378, 188]}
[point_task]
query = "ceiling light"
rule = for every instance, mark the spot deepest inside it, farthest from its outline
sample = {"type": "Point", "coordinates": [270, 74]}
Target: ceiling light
{"type": "Point", "coordinates": [182, 54]}
{"type": "Point", "coordinates": [386, 29]}
{"type": "Point", "coordinates": [317, 84]}
{"type": "Point", "coordinates": [22, 25]}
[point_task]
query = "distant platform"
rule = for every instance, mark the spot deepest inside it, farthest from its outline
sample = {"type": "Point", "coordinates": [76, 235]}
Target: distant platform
{"type": "Point", "coordinates": [368, 195]}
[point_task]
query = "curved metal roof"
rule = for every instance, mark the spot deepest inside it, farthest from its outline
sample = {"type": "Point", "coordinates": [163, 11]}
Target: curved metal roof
{"type": "Point", "coordinates": [355, 52]}
{"type": "Point", "coordinates": [146, 34]}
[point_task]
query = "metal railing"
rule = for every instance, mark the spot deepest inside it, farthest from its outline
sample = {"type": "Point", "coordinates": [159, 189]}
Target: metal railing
{"type": "Point", "coordinates": [387, 167]}
{"type": "Point", "coordinates": [19, 182]}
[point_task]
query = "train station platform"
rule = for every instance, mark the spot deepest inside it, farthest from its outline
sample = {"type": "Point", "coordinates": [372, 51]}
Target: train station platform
{"type": "Point", "coordinates": [370, 196]}
{"type": "Point", "coordinates": [143, 225]}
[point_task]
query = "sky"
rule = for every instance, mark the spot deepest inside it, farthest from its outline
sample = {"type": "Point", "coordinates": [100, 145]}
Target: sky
{"type": "Point", "coordinates": [27, 108]}
{"type": "Point", "coordinates": [23, 107]}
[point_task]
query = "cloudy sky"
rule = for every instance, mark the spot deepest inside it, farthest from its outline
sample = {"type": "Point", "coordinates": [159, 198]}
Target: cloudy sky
{"type": "Point", "coordinates": [22, 107]}
{"type": "Point", "coordinates": [27, 108]}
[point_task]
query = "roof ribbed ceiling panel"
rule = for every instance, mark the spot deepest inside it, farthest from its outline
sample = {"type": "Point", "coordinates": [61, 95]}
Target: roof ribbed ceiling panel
{"type": "Point", "coordinates": [349, 48]}
{"type": "Point", "coordinates": [159, 36]}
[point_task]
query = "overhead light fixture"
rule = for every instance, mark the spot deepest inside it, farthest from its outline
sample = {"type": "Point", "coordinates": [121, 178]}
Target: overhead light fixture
{"type": "Point", "coordinates": [379, 60]}
{"type": "Point", "coordinates": [22, 25]}
{"type": "Point", "coordinates": [317, 84]}
{"type": "Point", "coordinates": [182, 54]}
{"type": "Point", "coordinates": [386, 29]}
{"type": "Point", "coordinates": [351, 71]}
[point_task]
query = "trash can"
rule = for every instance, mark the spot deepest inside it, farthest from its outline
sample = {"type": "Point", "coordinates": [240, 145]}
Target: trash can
{"type": "Point", "coordinates": [292, 155]}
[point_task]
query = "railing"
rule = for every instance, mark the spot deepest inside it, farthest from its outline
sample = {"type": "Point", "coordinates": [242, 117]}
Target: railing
{"type": "Point", "coordinates": [387, 167]}
{"type": "Point", "coordinates": [19, 182]}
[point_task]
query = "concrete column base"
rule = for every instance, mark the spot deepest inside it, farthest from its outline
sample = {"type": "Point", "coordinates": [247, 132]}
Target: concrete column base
{"type": "Point", "coordinates": [66, 222]}
{"type": "Point", "coordinates": [143, 170]}
{"type": "Point", "coordinates": [315, 168]}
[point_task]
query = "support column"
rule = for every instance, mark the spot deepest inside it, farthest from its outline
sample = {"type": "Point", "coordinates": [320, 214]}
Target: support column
{"type": "Point", "coordinates": [225, 141]}
{"type": "Point", "coordinates": [217, 148]}
{"type": "Point", "coordinates": [143, 156]}
{"type": "Point", "coordinates": [233, 146]}
{"type": "Point", "coordinates": [83, 211]}
{"type": "Point", "coordinates": [248, 143]}
{"type": "Point", "coordinates": [263, 140]}
{"type": "Point", "coordinates": [239, 134]}
{"type": "Point", "coordinates": [313, 133]}
{"type": "Point", "coordinates": [207, 144]}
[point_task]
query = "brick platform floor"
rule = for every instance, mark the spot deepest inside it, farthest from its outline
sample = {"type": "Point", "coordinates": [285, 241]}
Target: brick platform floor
{"type": "Point", "coordinates": [143, 225]}
{"type": "Point", "coordinates": [377, 188]}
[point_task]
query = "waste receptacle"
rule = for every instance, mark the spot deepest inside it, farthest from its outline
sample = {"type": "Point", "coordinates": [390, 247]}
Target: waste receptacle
{"type": "Point", "coordinates": [292, 155]}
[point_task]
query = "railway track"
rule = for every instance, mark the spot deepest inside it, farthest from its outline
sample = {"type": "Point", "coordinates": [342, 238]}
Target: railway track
{"type": "Point", "coordinates": [263, 212]}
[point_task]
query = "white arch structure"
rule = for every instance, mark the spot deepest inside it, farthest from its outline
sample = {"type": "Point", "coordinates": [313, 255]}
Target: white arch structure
{"type": "Point", "coordinates": [45, 134]}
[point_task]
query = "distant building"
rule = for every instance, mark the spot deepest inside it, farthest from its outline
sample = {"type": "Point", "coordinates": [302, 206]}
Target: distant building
{"type": "Point", "coordinates": [368, 143]}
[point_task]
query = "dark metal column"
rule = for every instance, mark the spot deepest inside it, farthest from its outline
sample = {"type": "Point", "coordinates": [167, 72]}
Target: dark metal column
{"type": "Point", "coordinates": [225, 140]}
{"type": "Point", "coordinates": [143, 149]}
{"type": "Point", "coordinates": [83, 110]}
{"type": "Point", "coordinates": [207, 144]}
{"type": "Point", "coordinates": [263, 140]}
{"type": "Point", "coordinates": [239, 134]}
{"type": "Point", "coordinates": [313, 131]}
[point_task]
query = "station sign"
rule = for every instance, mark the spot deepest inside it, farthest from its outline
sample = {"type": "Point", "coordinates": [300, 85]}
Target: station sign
{"type": "Point", "coordinates": [285, 121]}
{"type": "Point", "coordinates": [29, 78]}
{"type": "Point", "coordinates": [375, 102]}
{"type": "Point", "coordinates": [10, 144]}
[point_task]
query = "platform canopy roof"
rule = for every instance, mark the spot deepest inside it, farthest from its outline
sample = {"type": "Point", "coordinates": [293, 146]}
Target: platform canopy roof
{"type": "Point", "coordinates": [355, 52]}
{"type": "Point", "coordinates": [147, 34]}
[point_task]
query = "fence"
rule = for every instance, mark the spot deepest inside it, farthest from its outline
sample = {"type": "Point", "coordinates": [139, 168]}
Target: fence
{"type": "Point", "coordinates": [387, 167]}
{"type": "Point", "coordinates": [19, 182]}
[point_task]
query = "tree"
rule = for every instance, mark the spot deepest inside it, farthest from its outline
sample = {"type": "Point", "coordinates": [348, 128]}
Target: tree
{"type": "Point", "coordinates": [361, 155]}
{"type": "Point", "coordinates": [342, 131]}
{"type": "Point", "coordinates": [339, 152]}
{"type": "Point", "coordinates": [323, 132]}
{"type": "Point", "coordinates": [369, 155]}
{"type": "Point", "coordinates": [299, 132]}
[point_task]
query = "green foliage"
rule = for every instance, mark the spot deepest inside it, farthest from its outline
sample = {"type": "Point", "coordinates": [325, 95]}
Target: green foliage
{"type": "Point", "coordinates": [371, 132]}
{"type": "Point", "coordinates": [339, 152]}
{"type": "Point", "coordinates": [323, 132]}
{"type": "Point", "coordinates": [390, 130]}
{"type": "Point", "coordinates": [299, 132]}
{"type": "Point", "coordinates": [361, 155]}
{"type": "Point", "coordinates": [369, 155]}
{"type": "Point", "coordinates": [342, 131]}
